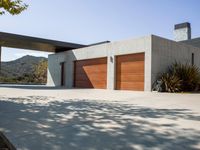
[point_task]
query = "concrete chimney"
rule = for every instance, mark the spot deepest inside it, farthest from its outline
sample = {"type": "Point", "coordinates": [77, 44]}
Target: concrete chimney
{"type": "Point", "coordinates": [182, 32]}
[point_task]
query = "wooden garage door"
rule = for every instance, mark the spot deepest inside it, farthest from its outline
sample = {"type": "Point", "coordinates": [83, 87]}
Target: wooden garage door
{"type": "Point", "coordinates": [90, 73]}
{"type": "Point", "coordinates": [130, 72]}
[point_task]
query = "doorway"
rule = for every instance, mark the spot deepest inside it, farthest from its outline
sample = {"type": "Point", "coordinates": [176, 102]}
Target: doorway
{"type": "Point", "coordinates": [62, 73]}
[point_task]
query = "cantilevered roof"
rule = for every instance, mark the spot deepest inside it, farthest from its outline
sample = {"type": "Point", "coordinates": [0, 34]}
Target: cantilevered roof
{"type": "Point", "coordinates": [34, 43]}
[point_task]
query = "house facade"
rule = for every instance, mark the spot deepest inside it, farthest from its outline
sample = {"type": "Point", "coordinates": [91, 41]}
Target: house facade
{"type": "Point", "coordinates": [132, 64]}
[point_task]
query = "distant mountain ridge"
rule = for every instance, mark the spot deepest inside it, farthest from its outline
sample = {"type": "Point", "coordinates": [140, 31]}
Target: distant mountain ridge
{"type": "Point", "coordinates": [21, 66]}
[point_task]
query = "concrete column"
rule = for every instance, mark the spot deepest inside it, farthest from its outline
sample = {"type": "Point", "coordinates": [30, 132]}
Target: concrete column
{"type": "Point", "coordinates": [110, 70]}
{"type": "Point", "coordinates": [69, 74]}
{"type": "Point", "coordinates": [69, 67]}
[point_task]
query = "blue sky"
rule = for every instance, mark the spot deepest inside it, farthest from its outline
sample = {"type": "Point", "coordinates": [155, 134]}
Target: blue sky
{"type": "Point", "coordinates": [90, 21]}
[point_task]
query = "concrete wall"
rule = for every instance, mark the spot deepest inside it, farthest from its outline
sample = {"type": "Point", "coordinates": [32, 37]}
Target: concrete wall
{"type": "Point", "coordinates": [194, 42]}
{"type": "Point", "coordinates": [165, 52]}
{"type": "Point", "coordinates": [109, 50]}
{"type": "Point", "coordinates": [54, 69]}
{"type": "Point", "coordinates": [159, 54]}
{"type": "Point", "coordinates": [182, 34]}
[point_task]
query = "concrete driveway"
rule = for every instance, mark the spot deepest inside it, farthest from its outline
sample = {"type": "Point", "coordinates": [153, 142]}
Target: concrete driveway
{"type": "Point", "coordinates": [58, 119]}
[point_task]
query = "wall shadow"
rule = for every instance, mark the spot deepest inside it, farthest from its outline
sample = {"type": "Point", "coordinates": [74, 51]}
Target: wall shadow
{"type": "Point", "coordinates": [87, 74]}
{"type": "Point", "coordinates": [90, 125]}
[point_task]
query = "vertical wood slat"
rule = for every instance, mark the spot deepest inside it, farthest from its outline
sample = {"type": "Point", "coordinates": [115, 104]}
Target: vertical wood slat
{"type": "Point", "coordinates": [130, 72]}
{"type": "Point", "coordinates": [90, 73]}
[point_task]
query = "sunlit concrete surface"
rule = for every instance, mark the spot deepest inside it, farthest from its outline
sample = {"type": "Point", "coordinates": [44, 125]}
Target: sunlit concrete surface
{"type": "Point", "coordinates": [35, 118]}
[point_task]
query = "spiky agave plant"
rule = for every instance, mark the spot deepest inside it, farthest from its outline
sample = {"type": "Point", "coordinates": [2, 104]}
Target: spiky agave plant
{"type": "Point", "coordinates": [170, 83]}
{"type": "Point", "coordinates": [188, 74]}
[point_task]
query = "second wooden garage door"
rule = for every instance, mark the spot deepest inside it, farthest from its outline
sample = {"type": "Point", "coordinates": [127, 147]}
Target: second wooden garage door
{"type": "Point", "coordinates": [130, 72]}
{"type": "Point", "coordinates": [90, 73]}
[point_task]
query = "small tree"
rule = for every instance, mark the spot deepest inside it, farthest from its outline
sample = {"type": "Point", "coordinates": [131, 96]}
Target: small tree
{"type": "Point", "coordinates": [40, 72]}
{"type": "Point", "coordinates": [14, 7]}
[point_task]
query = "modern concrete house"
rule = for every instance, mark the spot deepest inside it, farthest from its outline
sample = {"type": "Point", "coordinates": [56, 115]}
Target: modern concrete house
{"type": "Point", "coordinates": [124, 65]}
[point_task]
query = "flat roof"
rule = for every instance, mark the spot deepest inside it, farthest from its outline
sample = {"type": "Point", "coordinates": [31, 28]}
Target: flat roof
{"type": "Point", "coordinates": [34, 43]}
{"type": "Point", "coordinates": [194, 42]}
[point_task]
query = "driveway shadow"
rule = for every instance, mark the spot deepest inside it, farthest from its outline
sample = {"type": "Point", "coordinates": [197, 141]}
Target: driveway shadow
{"type": "Point", "coordinates": [92, 125]}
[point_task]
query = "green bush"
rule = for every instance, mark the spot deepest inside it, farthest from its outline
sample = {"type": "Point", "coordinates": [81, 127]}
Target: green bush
{"type": "Point", "coordinates": [179, 77]}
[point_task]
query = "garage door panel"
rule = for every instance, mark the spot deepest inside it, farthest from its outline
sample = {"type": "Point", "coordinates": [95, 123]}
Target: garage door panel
{"type": "Point", "coordinates": [130, 72]}
{"type": "Point", "coordinates": [91, 62]}
{"type": "Point", "coordinates": [131, 67]}
{"type": "Point", "coordinates": [91, 69]}
{"type": "Point", "coordinates": [131, 57]}
{"type": "Point", "coordinates": [130, 86]}
{"type": "Point", "coordinates": [92, 77]}
{"type": "Point", "coordinates": [86, 84]}
{"type": "Point", "coordinates": [131, 77]}
{"type": "Point", "coordinates": [136, 64]}
{"type": "Point", "coordinates": [91, 73]}
{"type": "Point", "coordinates": [89, 65]}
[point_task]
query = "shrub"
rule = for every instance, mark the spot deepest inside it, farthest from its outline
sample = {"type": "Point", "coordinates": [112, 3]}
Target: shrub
{"type": "Point", "coordinates": [189, 74]}
{"type": "Point", "coordinates": [179, 77]}
{"type": "Point", "coordinates": [168, 83]}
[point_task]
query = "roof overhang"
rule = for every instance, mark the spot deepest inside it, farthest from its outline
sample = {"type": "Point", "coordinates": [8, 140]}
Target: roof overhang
{"type": "Point", "coordinates": [34, 43]}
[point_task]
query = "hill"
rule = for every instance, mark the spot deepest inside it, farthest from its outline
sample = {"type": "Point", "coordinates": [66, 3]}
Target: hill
{"type": "Point", "coordinates": [16, 71]}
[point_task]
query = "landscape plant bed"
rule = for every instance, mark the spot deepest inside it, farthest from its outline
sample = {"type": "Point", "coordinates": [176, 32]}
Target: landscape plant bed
{"type": "Point", "coordinates": [179, 78]}
{"type": "Point", "coordinates": [5, 143]}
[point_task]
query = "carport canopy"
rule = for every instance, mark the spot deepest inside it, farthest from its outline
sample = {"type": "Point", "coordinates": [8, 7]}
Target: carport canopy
{"type": "Point", "coordinates": [34, 43]}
